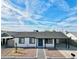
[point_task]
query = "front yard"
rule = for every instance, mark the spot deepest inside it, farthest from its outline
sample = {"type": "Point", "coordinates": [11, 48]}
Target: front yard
{"type": "Point", "coordinates": [50, 53]}
{"type": "Point", "coordinates": [21, 52]}
{"type": "Point", "coordinates": [55, 53]}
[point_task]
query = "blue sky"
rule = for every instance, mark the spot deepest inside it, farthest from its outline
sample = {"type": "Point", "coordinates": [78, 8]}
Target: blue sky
{"type": "Point", "coordinates": [29, 15]}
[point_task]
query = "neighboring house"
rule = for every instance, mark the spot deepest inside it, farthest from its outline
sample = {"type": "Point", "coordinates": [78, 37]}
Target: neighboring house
{"type": "Point", "coordinates": [36, 39]}
{"type": "Point", "coordinates": [6, 39]}
{"type": "Point", "coordinates": [72, 35]}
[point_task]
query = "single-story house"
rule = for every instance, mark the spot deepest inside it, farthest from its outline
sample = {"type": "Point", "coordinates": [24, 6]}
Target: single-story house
{"type": "Point", "coordinates": [34, 39]}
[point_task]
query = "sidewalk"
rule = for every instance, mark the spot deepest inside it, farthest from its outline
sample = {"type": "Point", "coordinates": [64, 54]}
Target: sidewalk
{"type": "Point", "coordinates": [41, 54]}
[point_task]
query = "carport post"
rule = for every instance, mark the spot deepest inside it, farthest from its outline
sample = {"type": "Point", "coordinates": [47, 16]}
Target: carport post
{"type": "Point", "coordinates": [66, 42]}
{"type": "Point", "coordinates": [44, 43]}
{"type": "Point", "coordinates": [54, 43]}
{"type": "Point", "coordinates": [1, 41]}
{"type": "Point", "coordinates": [5, 41]}
{"type": "Point", "coordinates": [36, 42]}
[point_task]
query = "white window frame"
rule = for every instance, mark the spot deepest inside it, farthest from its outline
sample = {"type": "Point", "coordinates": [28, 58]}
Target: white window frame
{"type": "Point", "coordinates": [22, 40]}
{"type": "Point", "coordinates": [49, 41]}
{"type": "Point", "coordinates": [31, 40]}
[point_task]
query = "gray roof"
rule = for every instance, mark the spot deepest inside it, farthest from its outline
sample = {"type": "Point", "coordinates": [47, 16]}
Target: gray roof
{"type": "Point", "coordinates": [74, 33]}
{"type": "Point", "coordinates": [38, 34]}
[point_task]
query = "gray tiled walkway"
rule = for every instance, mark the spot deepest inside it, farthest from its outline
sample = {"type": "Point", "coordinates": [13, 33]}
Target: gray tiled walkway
{"type": "Point", "coordinates": [41, 54]}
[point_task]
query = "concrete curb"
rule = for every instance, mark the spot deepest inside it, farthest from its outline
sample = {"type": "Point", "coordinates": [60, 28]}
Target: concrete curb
{"type": "Point", "coordinates": [13, 57]}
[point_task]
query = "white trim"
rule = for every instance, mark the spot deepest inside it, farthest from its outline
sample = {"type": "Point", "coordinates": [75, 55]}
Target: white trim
{"type": "Point", "coordinates": [6, 37]}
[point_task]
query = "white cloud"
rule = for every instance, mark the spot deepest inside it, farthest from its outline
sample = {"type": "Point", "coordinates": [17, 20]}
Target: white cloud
{"type": "Point", "coordinates": [7, 12]}
{"type": "Point", "coordinates": [36, 17]}
{"type": "Point", "coordinates": [33, 13]}
{"type": "Point", "coordinates": [70, 19]}
{"type": "Point", "coordinates": [16, 28]}
{"type": "Point", "coordinates": [61, 4]}
{"type": "Point", "coordinates": [24, 28]}
{"type": "Point", "coordinates": [73, 11]}
{"type": "Point", "coordinates": [37, 6]}
{"type": "Point", "coordinates": [68, 23]}
{"type": "Point", "coordinates": [6, 4]}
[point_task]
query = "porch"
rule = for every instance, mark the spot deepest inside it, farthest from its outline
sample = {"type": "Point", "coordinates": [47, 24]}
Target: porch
{"type": "Point", "coordinates": [38, 43]}
{"type": "Point", "coordinates": [52, 42]}
{"type": "Point", "coordinates": [44, 42]}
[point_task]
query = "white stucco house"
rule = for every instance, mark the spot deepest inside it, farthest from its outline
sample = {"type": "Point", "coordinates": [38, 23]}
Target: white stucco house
{"type": "Point", "coordinates": [33, 39]}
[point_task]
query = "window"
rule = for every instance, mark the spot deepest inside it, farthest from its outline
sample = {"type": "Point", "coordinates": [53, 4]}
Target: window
{"type": "Point", "coordinates": [21, 40]}
{"type": "Point", "coordinates": [32, 41]}
{"type": "Point", "coordinates": [48, 41]}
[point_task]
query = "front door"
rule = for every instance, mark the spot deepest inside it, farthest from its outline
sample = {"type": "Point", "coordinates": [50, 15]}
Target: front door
{"type": "Point", "coordinates": [40, 42]}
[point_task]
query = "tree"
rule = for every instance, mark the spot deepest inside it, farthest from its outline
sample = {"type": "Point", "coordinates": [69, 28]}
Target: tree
{"type": "Point", "coordinates": [15, 47]}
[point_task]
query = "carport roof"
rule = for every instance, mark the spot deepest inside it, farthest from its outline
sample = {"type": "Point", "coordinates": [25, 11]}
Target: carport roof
{"type": "Point", "coordinates": [39, 34]}
{"type": "Point", "coordinates": [5, 36]}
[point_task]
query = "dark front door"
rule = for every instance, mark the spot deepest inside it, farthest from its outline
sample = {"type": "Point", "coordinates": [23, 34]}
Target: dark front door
{"type": "Point", "coordinates": [40, 42]}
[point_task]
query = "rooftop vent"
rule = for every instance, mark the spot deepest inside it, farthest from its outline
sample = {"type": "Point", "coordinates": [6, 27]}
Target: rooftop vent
{"type": "Point", "coordinates": [36, 31]}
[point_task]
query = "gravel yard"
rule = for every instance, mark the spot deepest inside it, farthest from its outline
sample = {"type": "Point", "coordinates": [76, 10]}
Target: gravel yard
{"type": "Point", "coordinates": [25, 52]}
{"type": "Point", "coordinates": [53, 53]}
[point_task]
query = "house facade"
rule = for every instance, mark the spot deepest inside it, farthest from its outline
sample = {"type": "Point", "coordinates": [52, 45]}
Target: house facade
{"type": "Point", "coordinates": [34, 42]}
{"type": "Point", "coordinates": [35, 39]}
